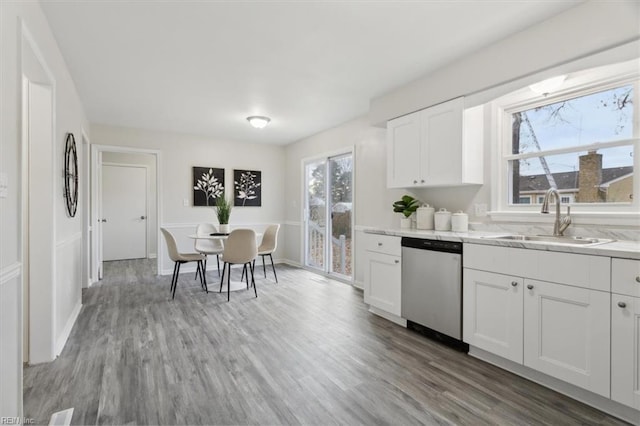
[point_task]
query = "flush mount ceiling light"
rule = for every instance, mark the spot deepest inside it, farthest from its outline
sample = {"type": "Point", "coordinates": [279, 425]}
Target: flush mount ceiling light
{"type": "Point", "coordinates": [258, 121]}
{"type": "Point", "coordinates": [548, 86]}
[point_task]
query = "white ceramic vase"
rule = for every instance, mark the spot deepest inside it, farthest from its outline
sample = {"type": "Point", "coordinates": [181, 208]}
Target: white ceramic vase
{"type": "Point", "coordinates": [405, 222]}
{"type": "Point", "coordinates": [224, 228]}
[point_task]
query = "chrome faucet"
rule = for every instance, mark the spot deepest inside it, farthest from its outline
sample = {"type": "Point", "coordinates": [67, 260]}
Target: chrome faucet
{"type": "Point", "coordinates": [560, 224]}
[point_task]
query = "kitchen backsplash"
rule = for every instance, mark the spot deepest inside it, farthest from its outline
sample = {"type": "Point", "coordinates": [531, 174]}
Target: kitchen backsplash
{"type": "Point", "coordinates": [616, 233]}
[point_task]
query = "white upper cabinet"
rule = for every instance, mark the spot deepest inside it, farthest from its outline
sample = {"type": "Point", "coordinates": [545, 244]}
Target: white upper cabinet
{"type": "Point", "coordinates": [403, 147]}
{"type": "Point", "coordinates": [437, 146]}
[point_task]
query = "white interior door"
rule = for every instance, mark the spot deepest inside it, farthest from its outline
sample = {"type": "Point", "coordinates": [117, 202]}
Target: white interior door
{"type": "Point", "coordinates": [124, 212]}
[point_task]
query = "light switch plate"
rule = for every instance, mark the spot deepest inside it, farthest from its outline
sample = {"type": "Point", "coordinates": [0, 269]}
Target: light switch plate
{"type": "Point", "coordinates": [4, 185]}
{"type": "Point", "coordinates": [481, 210]}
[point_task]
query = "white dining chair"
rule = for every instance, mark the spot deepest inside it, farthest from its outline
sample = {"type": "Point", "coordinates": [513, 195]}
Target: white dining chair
{"type": "Point", "coordinates": [208, 247]}
{"type": "Point", "coordinates": [240, 248]}
{"type": "Point", "coordinates": [269, 245]}
{"type": "Point", "coordinates": [179, 259]}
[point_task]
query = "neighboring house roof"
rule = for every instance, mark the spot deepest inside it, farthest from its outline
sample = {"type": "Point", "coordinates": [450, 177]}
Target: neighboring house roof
{"type": "Point", "coordinates": [569, 180]}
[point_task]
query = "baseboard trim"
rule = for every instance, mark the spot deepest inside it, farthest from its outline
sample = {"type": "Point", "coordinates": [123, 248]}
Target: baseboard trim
{"type": "Point", "coordinates": [594, 400]}
{"type": "Point", "coordinates": [359, 285]}
{"type": "Point", "coordinates": [388, 316]}
{"type": "Point", "coordinates": [66, 331]}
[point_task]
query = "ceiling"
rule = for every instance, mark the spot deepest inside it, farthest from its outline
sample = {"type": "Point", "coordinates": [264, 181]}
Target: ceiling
{"type": "Point", "coordinates": [201, 67]}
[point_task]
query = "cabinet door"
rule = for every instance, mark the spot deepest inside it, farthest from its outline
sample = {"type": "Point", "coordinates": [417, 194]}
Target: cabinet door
{"type": "Point", "coordinates": [382, 282]}
{"type": "Point", "coordinates": [403, 151]}
{"type": "Point", "coordinates": [625, 277]}
{"type": "Point", "coordinates": [492, 313]}
{"type": "Point", "coordinates": [441, 149]}
{"type": "Point", "coordinates": [567, 334]}
{"type": "Point", "coordinates": [625, 350]}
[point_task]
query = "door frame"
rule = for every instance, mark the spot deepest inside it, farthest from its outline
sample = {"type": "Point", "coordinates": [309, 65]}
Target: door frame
{"type": "Point", "coordinates": [96, 243]}
{"type": "Point", "coordinates": [303, 207]}
{"type": "Point", "coordinates": [43, 296]}
{"type": "Point", "coordinates": [86, 209]}
{"type": "Point", "coordinates": [146, 199]}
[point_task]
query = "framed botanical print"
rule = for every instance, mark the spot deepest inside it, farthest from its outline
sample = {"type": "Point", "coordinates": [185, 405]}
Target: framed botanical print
{"type": "Point", "coordinates": [248, 188]}
{"type": "Point", "coordinates": [208, 185]}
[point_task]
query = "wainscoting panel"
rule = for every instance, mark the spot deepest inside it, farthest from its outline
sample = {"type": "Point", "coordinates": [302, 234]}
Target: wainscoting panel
{"type": "Point", "coordinates": [11, 347]}
{"type": "Point", "coordinates": [293, 241]}
{"type": "Point", "coordinates": [68, 287]}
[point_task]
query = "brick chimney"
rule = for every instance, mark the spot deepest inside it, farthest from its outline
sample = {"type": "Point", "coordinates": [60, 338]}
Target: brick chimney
{"type": "Point", "coordinates": [590, 178]}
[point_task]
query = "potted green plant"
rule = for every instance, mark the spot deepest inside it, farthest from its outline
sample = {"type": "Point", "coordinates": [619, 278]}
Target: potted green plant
{"type": "Point", "coordinates": [223, 211]}
{"type": "Point", "coordinates": [407, 206]}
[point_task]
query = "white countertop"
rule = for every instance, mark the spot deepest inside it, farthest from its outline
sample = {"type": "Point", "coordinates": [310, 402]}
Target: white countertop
{"type": "Point", "coordinates": [621, 249]}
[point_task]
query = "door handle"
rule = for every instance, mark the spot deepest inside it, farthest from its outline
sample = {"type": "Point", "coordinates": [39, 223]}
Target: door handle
{"type": "Point", "coordinates": [143, 217]}
{"type": "Point", "coordinates": [102, 220]}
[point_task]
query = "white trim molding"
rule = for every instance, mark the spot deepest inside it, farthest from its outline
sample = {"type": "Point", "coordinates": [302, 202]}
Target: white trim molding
{"type": "Point", "coordinates": [10, 272]}
{"type": "Point", "coordinates": [66, 331]}
{"type": "Point", "coordinates": [71, 239]}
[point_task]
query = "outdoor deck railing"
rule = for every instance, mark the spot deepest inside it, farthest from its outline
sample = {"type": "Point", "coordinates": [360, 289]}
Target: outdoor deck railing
{"type": "Point", "coordinates": [316, 246]}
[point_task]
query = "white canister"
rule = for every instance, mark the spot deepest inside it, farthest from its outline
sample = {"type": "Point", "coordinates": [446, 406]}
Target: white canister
{"type": "Point", "coordinates": [442, 219]}
{"type": "Point", "coordinates": [459, 222]}
{"type": "Point", "coordinates": [424, 216]}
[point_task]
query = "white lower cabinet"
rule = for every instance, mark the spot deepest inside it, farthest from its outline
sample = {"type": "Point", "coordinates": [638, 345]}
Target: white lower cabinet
{"type": "Point", "coordinates": [383, 273]}
{"type": "Point", "coordinates": [567, 334]}
{"type": "Point", "coordinates": [625, 350]}
{"type": "Point", "coordinates": [493, 313]}
{"type": "Point", "coordinates": [382, 282]}
{"type": "Point", "coordinates": [573, 317]}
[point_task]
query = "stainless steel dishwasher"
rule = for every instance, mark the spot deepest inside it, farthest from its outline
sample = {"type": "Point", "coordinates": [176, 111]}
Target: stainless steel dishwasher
{"type": "Point", "coordinates": [432, 289]}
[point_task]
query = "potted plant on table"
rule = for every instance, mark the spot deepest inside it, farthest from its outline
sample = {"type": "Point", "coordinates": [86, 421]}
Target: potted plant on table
{"type": "Point", "coordinates": [407, 206]}
{"type": "Point", "coordinates": [223, 211]}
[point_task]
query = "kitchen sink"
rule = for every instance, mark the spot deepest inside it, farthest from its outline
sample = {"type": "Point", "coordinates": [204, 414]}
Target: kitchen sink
{"type": "Point", "coordinates": [571, 241]}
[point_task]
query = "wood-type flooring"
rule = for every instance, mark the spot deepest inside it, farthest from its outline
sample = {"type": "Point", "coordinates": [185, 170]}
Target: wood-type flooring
{"type": "Point", "coordinates": [306, 351]}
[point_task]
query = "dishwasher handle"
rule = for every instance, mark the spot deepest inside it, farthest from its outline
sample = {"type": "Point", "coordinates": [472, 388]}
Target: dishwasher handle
{"type": "Point", "coordinates": [432, 245]}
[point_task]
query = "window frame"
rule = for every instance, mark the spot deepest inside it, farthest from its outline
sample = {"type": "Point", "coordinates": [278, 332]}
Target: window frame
{"type": "Point", "coordinates": [579, 84]}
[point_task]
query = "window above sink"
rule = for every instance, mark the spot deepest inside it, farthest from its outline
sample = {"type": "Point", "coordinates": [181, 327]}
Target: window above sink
{"type": "Point", "coordinates": [582, 138]}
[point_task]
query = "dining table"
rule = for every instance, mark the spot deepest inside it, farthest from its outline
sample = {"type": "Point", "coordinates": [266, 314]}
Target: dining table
{"type": "Point", "coordinates": [218, 236]}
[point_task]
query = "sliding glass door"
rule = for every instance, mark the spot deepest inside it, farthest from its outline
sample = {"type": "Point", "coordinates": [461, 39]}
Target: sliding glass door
{"type": "Point", "coordinates": [328, 214]}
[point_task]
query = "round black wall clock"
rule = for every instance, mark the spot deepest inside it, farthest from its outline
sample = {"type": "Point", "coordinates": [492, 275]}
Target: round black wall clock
{"type": "Point", "coordinates": [71, 175]}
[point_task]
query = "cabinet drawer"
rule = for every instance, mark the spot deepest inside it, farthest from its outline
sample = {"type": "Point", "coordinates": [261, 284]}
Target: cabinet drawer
{"type": "Point", "coordinates": [625, 277]}
{"type": "Point", "coordinates": [385, 244]}
{"type": "Point", "coordinates": [577, 270]}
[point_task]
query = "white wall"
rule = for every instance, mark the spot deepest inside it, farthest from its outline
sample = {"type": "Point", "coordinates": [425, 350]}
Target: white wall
{"type": "Point", "coordinates": [16, 20]}
{"type": "Point", "coordinates": [574, 34]}
{"type": "Point", "coordinates": [149, 161]}
{"type": "Point", "coordinates": [372, 201]}
{"type": "Point", "coordinates": [179, 154]}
